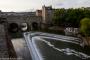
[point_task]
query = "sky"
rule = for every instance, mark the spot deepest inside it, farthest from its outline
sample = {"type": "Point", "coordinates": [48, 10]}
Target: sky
{"type": "Point", "coordinates": [30, 5]}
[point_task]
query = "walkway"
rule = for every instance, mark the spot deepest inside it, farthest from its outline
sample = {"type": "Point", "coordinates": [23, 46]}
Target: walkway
{"type": "Point", "coordinates": [21, 49]}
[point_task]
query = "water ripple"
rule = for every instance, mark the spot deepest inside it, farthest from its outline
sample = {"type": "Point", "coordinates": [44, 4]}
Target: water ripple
{"type": "Point", "coordinates": [66, 51]}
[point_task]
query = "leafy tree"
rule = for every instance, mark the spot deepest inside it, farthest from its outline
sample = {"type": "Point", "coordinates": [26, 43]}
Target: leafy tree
{"type": "Point", "coordinates": [58, 18]}
{"type": "Point", "coordinates": [70, 17]}
{"type": "Point", "coordinates": [85, 26]}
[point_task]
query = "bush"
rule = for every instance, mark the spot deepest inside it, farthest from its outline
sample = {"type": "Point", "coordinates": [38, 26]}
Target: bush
{"type": "Point", "coordinates": [85, 26]}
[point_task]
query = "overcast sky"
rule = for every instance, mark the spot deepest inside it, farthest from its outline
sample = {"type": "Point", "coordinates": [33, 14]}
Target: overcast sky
{"type": "Point", "coordinates": [30, 5]}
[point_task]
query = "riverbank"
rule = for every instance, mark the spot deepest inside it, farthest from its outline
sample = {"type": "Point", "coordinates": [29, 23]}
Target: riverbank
{"type": "Point", "coordinates": [21, 49]}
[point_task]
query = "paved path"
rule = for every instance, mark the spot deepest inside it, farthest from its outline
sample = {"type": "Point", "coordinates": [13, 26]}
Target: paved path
{"type": "Point", "coordinates": [21, 49]}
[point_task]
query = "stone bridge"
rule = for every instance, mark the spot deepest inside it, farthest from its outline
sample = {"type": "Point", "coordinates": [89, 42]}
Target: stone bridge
{"type": "Point", "coordinates": [31, 21]}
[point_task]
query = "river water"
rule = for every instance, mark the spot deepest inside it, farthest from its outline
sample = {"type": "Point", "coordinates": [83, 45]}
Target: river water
{"type": "Point", "coordinates": [50, 47]}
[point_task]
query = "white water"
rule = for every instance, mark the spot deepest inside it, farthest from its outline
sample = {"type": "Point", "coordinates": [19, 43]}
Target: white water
{"type": "Point", "coordinates": [59, 39]}
{"type": "Point", "coordinates": [66, 51]}
{"type": "Point", "coordinates": [34, 53]}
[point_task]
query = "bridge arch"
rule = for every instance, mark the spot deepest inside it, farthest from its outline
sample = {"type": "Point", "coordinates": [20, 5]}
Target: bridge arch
{"type": "Point", "coordinates": [13, 27]}
{"type": "Point", "coordinates": [34, 26]}
{"type": "Point", "coordinates": [24, 26]}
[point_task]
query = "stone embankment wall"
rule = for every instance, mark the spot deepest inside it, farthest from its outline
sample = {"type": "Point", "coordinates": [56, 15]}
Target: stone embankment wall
{"type": "Point", "coordinates": [86, 41]}
{"type": "Point", "coordinates": [6, 48]}
{"type": "Point", "coordinates": [3, 43]}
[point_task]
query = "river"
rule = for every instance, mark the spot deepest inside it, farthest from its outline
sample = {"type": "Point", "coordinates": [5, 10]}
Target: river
{"type": "Point", "coordinates": [46, 46]}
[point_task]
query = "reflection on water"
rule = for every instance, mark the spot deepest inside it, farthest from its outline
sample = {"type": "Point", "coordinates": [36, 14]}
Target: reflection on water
{"type": "Point", "coordinates": [42, 44]}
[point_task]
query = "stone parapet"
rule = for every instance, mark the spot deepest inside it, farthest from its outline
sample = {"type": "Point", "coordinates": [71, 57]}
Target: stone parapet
{"type": "Point", "coordinates": [3, 45]}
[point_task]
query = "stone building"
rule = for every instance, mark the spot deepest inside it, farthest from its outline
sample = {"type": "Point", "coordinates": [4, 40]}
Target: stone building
{"type": "Point", "coordinates": [47, 14]}
{"type": "Point", "coordinates": [71, 31]}
{"type": "Point", "coordinates": [38, 12]}
{"type": "Point", "coordinates": [40, 18]}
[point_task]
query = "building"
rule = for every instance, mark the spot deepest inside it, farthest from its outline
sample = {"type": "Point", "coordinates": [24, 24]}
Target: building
{"type": "Point", "coordinates": [71, 31]}
{"type": "Point", "coordinates": [47, 14]}
{"type": "Point", "coordinates": [41, 17]}
{"type": "Point", "coordinates": [38, 12]}
{"type": "Point", "coordinates": [18, 13]}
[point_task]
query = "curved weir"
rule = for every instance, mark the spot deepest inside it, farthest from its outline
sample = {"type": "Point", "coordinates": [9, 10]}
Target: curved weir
{"type": "Point", "coordinates": [44, 46]}
{"type": "Point", "coordinates": [66, 51]}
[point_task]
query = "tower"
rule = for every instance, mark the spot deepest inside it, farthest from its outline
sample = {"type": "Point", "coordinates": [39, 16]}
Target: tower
{"type": "Point", "coordinates": [47, 13]}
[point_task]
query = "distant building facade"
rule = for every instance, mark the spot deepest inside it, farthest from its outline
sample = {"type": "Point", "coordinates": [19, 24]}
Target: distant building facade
{"type": "Point", "coordinates": [41, 17]}
{"type": "Point", "coordinates": [71, 31]}
{"type": "Point", "coordinates": [47, 14]}
{"type": "Point", "coordinates": [38, 12]}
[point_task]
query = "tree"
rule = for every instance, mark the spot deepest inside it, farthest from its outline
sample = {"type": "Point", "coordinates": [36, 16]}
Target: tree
{"type": "Point", "coordinates": [59, 15]}
{"type": "Point", "coordinates": [71, 17]}
{"type": "Point", "coordinates": [85, 26]}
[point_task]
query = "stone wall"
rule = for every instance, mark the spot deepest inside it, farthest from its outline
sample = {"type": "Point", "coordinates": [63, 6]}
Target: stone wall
{"type": "Point", "coordinates": [3, 43]}
{"type": "Point", "coordinates": [24, 19]}
{"type": "Point", "coordinates": [6, 47]}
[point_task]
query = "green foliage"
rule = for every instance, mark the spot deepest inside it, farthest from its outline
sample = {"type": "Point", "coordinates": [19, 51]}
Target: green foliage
{"type": "Point", "coordinates": [70, 16]}
{"type": "Point", "coordinates": [59, 16]}
{"type": "Point", "coordinates": [85, 26]}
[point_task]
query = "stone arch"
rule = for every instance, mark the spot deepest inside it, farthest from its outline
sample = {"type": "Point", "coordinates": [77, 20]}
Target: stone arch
{"type": "Point", "coordinates": [24, 27]}
{"type": "Point", "coordinates": [13, 27]}
{"type": "Point", "coordinates": [34, 26]}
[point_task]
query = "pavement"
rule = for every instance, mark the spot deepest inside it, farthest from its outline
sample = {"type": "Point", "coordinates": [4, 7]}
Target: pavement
{"type": "Point", "coordinates": [21, 49]}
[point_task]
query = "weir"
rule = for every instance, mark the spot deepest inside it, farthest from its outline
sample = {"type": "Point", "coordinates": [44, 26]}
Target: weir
{"type": "Point", "coordinates": [45, 46]}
